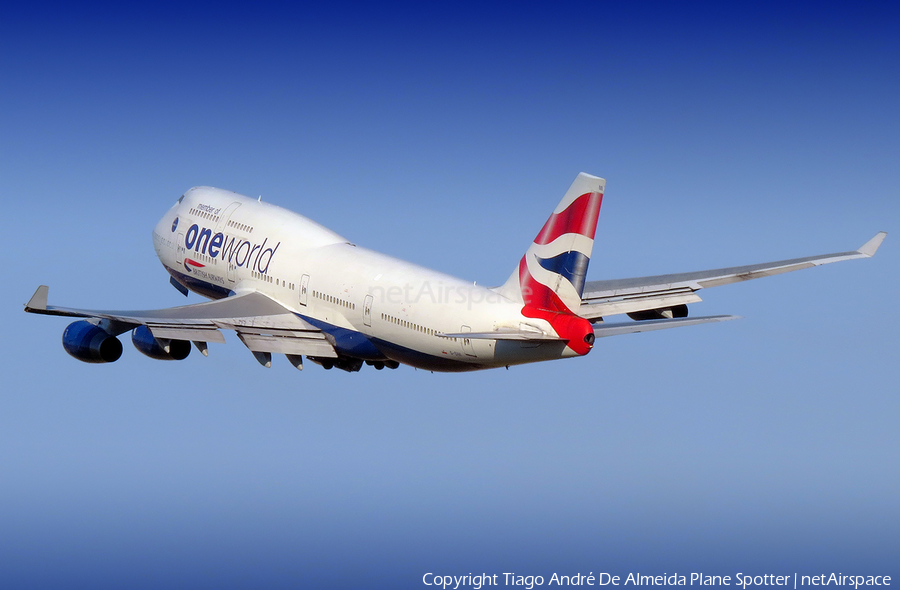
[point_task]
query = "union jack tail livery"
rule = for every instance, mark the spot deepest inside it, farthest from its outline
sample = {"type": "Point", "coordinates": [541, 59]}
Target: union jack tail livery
{"type": "Point", "coordinates": [552, 272]}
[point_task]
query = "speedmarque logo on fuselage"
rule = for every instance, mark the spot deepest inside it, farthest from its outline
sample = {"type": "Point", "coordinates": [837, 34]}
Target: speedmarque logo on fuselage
{"type": "Point", "coordinates": [229, 248]}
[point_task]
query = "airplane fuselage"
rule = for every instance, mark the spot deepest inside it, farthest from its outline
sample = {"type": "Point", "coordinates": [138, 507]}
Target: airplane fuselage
{"type": "Point", "coordinates": [370, 306]}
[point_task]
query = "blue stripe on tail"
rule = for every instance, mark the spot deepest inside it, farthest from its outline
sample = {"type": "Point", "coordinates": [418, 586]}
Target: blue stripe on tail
{"type": "Point", "coordinates": [572, 265]}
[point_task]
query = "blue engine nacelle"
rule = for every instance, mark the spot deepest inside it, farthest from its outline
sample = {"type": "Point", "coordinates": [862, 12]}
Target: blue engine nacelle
{"type": "Point", "coordinates": [145, 342]}
{"type": "Point", "coordinates": [91, 344]}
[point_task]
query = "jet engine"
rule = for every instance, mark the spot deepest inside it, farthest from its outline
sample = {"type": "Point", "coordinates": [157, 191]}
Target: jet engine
{"type": "Point", "coordinates": [165, 350]}
{"type": "Point", "coordinates": [91, 343]}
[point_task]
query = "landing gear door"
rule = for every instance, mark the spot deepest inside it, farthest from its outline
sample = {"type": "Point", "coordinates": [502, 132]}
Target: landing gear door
{"type": "Point", "coordinates": [304, 289]}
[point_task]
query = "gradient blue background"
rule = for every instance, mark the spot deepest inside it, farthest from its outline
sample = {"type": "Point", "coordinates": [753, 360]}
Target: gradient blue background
{"type": "Point", "coordinates": [445, 135]}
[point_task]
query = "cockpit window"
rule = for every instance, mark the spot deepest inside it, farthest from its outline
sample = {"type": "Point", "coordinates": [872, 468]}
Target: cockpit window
{"type": "Point", "coordinates": [180, 199]}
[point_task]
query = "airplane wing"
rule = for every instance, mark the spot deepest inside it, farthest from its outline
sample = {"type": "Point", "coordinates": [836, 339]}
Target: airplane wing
{"type": "Point", "coordinates": [605, 298]}
{"type": "Point", "coordinates": [263, 325]}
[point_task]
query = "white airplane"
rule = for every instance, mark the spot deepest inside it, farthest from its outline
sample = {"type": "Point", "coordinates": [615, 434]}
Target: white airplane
{"type": "Point", "coordinates": [289, 286]}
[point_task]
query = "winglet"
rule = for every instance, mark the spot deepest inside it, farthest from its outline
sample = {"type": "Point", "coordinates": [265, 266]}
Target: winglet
{"type": "Point", "coordinates": [38, 301]}
{"type": "Point", "coordinates": [869, 248]}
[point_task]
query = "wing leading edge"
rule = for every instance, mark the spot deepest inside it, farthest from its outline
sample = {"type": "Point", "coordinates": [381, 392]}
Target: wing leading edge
{"type": "Point", "coordinates": [604, 298]}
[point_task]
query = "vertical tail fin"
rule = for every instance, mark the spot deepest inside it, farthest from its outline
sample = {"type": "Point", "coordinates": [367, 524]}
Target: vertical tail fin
{"type": "Point", "coordinates": [551, 274]}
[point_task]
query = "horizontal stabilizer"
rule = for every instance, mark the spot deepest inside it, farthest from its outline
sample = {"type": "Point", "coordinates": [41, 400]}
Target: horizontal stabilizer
{"type": "Point", "coordinates": [506, 335]}
{"type": "Point", "coordinates": [604, 330]}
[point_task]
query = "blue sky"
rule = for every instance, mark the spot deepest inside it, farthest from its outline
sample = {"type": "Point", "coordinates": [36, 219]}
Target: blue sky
{"type": "Point", "coordinates": [445, 135]}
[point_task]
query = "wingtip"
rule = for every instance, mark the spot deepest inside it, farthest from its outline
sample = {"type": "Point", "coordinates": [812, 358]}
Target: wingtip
{"type": "Point", "coordinates": [869, 248]}
{"type": "Point", "coordinates": [38, 301]}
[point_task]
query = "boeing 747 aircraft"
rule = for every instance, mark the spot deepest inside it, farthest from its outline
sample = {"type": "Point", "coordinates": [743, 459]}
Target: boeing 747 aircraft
{"type": "Point", "coordinates": [287, 285]}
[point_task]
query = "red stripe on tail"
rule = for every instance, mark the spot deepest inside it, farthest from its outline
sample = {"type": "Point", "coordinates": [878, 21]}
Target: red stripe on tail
{"type": "Point", "coordinates": [580, 217]}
